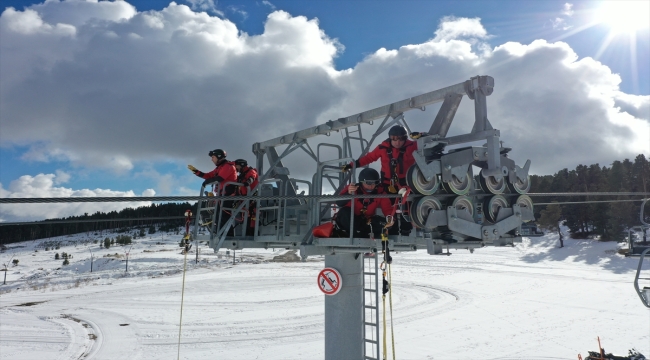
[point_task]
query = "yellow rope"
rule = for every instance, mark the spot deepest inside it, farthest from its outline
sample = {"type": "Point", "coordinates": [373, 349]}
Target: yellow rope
{"type": "Point", "coordinates": [383, 299]}
{"type": "Point", "coordinates": [390, 300]}
{"type": "Point", "coordinates": [182, 296]}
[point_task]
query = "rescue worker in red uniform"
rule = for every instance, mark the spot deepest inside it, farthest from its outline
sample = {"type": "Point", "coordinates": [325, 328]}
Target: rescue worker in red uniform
{"type": "Point", "coordinates": [396, 155]}
{"type": "Point", "coordinates": [249, 177]}
{"type": "Point", "coordinates": [365, 220]}
{"type": "Point", "coordinates": [223, 173]}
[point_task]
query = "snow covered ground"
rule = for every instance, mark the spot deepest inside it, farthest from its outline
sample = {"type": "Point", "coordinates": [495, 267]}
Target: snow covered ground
{"type": "Point", "coordinates": [533, 301]}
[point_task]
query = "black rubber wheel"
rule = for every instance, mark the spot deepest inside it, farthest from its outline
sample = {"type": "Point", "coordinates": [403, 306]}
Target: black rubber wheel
{"type": "Point", "coordinates": [420, 210]}
{"type": "Point", "coordinates": [463, 203]}
{"type": "Point", "coordinates": [520, 187]}
{"type": "Point", "coordinates": [493, 205]}
{"type": "Point", "coordinates": [458, 187]}
{"type": "Point", "coordinates": [491, 185]}
{"type": "Point", "coordinates": [524, 201]}
{"type": "Point", "coordinates": [419, 184]}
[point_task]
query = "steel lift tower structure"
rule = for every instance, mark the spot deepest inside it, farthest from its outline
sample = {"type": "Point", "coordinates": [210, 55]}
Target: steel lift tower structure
{"type": "Point", "coordinates": [449, 206]}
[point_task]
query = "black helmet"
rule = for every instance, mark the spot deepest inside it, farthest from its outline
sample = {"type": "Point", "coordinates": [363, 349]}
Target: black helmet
{"type": "Point", "coordinates": [397, 130]}
{"type": "Point", "coordinates": [220, 154]}
{"type": "Point", "coordinates": [370, 175]}
{"type": "Point", "coordinates": [241, 162]}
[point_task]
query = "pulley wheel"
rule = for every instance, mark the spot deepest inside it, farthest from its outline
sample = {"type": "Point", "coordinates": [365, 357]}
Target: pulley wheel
{"type": "Point", "coordinates": [491, 185]}
{"type": "Point", "coordinates": [420, 210]}
{"type": "Point", "coordinates": [419, 184]}
{"type": "Point", "coordinates": [520, 187]}
{"type": "Point", "coordinates": [457, 186]}
{"type": "Point", "coordinates": [463, 203]}
{"type": "Point", "coordinates": [493, 205]}
{"type": "Point", "coordinates": [524, 201]}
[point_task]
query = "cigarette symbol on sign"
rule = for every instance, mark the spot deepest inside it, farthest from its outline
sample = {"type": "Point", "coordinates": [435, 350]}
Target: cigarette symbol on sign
{"type": "Point", "coordinates": [331, 282]}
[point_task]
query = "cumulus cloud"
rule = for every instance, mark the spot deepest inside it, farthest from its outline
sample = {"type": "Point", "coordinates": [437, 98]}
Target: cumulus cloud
{"type": "Point", "coordinates": [43, 186]}
{"type": "Point", "coordinates": [454, 28]}
{"type": "Point", "coordinates": [100, 84]}
{"type": "Point", "coordinates": [159, 85]}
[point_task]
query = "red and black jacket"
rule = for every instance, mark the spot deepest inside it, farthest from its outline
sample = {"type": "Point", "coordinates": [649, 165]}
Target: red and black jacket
{"type": "Point", "coordinates": [401, 159]}
{"type": "Point", "coordinates": [367, 207]}
{"type": "Point", "coordinates": [223, 173]}
{"type": "Point", "coordinates": [249, 177]}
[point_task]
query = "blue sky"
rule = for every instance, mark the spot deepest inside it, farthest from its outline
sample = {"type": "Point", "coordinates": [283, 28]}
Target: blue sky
{"type": "Point", "coordinates": [72, 101]}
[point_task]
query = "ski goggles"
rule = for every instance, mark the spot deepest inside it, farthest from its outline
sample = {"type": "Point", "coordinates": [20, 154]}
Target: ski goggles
{"type": "Point", "coordinates": [370, 182]}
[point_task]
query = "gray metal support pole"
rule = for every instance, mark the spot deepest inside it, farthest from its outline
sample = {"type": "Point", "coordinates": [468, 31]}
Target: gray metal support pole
{"type": "Point", "coordinates": [344, 311]}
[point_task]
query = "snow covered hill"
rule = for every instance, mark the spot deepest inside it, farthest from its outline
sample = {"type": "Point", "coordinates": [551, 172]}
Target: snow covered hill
{"type": "Point", "coordinates": [533, 301]}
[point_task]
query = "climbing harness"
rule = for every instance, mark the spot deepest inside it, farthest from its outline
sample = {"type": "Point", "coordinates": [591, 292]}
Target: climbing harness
{"type": "Point", "coordinates": [396, 166]}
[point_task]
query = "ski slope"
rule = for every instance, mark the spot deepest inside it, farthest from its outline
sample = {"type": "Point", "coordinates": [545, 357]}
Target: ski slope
{"type": "Point", "coordinates": [531, 301]}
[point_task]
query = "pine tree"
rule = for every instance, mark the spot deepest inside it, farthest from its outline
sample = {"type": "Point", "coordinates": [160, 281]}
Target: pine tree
{"type": "Point", "coordinates": [550, 217]}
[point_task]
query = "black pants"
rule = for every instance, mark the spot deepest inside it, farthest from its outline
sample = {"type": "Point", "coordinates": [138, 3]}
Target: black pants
{"type": "Point", "coordinates": [361, 227]}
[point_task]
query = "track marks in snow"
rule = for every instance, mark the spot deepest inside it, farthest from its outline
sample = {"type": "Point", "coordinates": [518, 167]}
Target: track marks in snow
{"type": "Point", "coordinates": [23, 333]}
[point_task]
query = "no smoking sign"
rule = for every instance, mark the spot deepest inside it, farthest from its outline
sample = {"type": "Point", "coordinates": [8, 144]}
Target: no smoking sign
{"type": "Point", "coordinates": [329, 281]}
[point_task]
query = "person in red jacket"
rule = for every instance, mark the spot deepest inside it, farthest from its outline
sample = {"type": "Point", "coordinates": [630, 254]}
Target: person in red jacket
{"type": "Point", "coordinates": [223, 173]}
{"type": "Point", "coordinates": [396, 155]}
{"type": "Point", "coordinates": [249, 177]}
{"type": "Point", "coordinates": [365, 220]}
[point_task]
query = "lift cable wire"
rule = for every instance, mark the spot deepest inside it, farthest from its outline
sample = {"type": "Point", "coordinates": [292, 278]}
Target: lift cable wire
{"type": "Point", "coordinates": [588, 202]}
{"type": "Point", "coordinates": [334, 198]}
{"type": "Point", "coordinates": [273, 197]}
{"type": "Point", "coordinates": [119, 220]}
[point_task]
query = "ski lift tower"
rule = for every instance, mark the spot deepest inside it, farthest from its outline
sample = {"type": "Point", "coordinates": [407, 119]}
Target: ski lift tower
{"type": "Point", "coordinates": [449, 207]}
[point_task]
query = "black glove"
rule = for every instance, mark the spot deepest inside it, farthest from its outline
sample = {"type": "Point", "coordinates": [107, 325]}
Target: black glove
{"type": "Point", "coordinates": [346, 168]}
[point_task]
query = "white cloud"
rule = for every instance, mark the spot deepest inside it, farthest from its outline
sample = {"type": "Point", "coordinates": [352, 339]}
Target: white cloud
{"type": "Point", "coordinates": [43, 186]}
{"type": "Point", "coordinates": [560, 22]}
{"type": "Point", "coordinates": [568, 9]}
{"type": "Point", "coordinates": [108, 101]}
{"type": "Point", "coordinates": [238, 10]}
{"type": "Point", "coordinates": [169, 85]}
{"type": "Point", "coordinates": [165, 183]}
{"type": "Point", "coordinates": [149, 192]}
{"type": "Point", "coordinates": [269, 4]}
{"type": "Point", "coordinates": [455, 28]}
{"type": "Point", "coordinates": [204, 5]}
{"type": "Point", "coordinates": [61, 177]}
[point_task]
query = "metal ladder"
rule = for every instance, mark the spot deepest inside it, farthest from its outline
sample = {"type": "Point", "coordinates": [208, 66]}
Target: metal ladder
{"type": "Point", "coordinates": [371, 307]}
